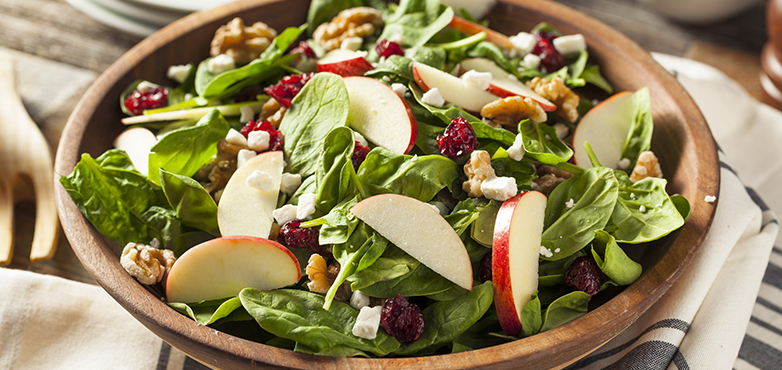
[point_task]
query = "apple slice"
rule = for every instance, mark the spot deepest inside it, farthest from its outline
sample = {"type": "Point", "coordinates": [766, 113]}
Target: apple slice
{"type": "Point", "coordinates": [503, 84]}
{"type": "Point", "coordinates": [246, 210]}
{"type": "Point", "coordinates": [419, 230]}
{"type": "Point", "coordinates": [344, 63]}
{"type": "Point", "coordinates": [137, 142]}
{"type": "Point", "coordinates": [222, 267]}
{"type": "Point", "coordinates": [605, 127]}
{"type": "Point", "coordinates": [515, 253]}
{"type": "Point", "coordinates": [453, 89]}
{"type": "Point", "coordinates": [465, 26]}
{"type": "Point", "coordinates": [381, 115]}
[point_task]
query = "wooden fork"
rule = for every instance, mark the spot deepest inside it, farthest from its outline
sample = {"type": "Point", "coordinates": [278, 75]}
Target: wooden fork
{"type": "Point", "coordinates": [24, 152]}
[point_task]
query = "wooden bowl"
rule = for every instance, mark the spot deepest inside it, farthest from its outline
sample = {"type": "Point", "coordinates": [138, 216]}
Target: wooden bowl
{"type": "Point", "coordinates": [681, 139]}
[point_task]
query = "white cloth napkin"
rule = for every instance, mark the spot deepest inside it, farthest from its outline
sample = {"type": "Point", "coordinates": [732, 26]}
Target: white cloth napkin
{"type": "Point", "coordinates": [52, 323]}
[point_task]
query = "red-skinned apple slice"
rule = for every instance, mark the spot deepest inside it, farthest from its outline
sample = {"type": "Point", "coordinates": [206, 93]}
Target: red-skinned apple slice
{"type": "Point", "coordinates": [222, 267]}
{"type": "Point", "coordinates": [136, 142]}
{"type": "Point", "coordinates": [605, 127]}
{"type": "Point", "coordinates": [416, 228]}
{"type": "Point", "coordinates": [380, 114]}
{"type": "Point", "coordinates": [344, 63]}
{"type": "Point", "coordinates": [502, 84]}
{"type": "Point", "coordinates": [245, 210]}
{"type": "Point", "coordinates": [515, 253]}
{"type": "Point", "coordinates": [453, 89]}
{"type": "Point", "coordinates": [465, 26]}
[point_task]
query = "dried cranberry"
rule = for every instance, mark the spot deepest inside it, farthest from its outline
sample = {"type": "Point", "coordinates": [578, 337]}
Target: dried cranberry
{"type": "Point", "coordinates": [305, 50]}
{"type": "Point", "coordinates": [402, 320]}
{"type": "Point", "coordinates": [584, 275]}
{"type": "Point", "coordinates": [139, 101]}
{"type": "Point", "coordinates": [359, 155]}
{"type": "Point", "coordinates": [288, 87]}
{"type": "Point", "coordinates": [275, 136]}
{"type": "Point", "coordinates": [295, 236]}
{"type": "Point", "coordinates": [485, 272]}
{"type": "Point", "coordinates": [458, 139]}
{"type": "Point", "coordinates": [385, 48]}
{"type": "Point", "coordinates": [550, 59]}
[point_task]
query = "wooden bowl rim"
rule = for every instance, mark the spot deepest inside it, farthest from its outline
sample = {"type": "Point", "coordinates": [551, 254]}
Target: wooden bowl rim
{"type": "Point", "coordinates": [221, 349]}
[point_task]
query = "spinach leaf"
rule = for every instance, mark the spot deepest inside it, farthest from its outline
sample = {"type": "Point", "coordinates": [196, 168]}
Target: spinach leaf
{"type": "Point", "coordinates": [184, 151]}
{"type": "Point", "coordinates": [113, 196]}
{"type": "Point", "coordinates": [429, 55]}
{"type": "Point", "coordinates": [541, 143]}
{"type": "Point", "coordinates": [338, 224]}
{"type": "Point", "coordinates": [420, 281]}
{"type": "Point", "coordinates": [350, 254]}
{"type": "Point", "coordinates": [682, 205]}
{"type": "Point", "coordinates": [591, 74]}
{"type": "Point", "coordinates": [489, 50]}
{"type": "Point", "coordinates": [565, 309]}
{"type": "Point", "coordinates": [384, 171]}
{"type": "Point", "coordinates": [207, 312]}
{"type": "Point", "coordinates": [392, 264]}
{"type": "Point", "coordinates": [335, 176]}
{"type": "Point", "coordinates": [639, 138]}
{"type": "Point", "coordinates": [320, 106]}
{"type": "Point", "coordinates": [192, 203]}
{"type": "Point", "coordinates": [479, 334]}
{"type": "Point", "coordinates": [299, 316]}
{"type": "Point", "coordinates": [613, 261]}
{"type": "Point", "coordinates": [448, 319]}
{"type": "Point", "coordinates": [395, 65]}
{"type": "Point", "coordinates": [464, 214]}
{"type": "Point", "coordinates": [416, 21]}
{"type": "Point", "coordinates": [336, 351]}
{"type": "Point", "coordinates": [504, 166]}
{"type": "Point", "coordinates": [163, 224]}
{"type": "Point", "coordinates": [643, 211]}
{"type": "Point", "coordinates": [594, 193]}
{"type": "Point", "coordinates": [531, 317]}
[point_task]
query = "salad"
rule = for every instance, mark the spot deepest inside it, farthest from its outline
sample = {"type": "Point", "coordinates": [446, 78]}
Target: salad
{"type": "Point", "coordinates": [385, 180]}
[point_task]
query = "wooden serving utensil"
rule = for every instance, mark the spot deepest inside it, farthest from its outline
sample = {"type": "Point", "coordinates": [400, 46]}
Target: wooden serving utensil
{"type": "Point", "coordinates": [24, 152]}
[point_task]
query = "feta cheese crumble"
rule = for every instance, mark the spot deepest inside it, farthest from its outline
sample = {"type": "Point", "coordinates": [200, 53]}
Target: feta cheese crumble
{"type": "Point", "coordinates": [499, 188]}
{"type": "Point", "coordinates": [243, 156]}
{"type": "Point", "coordinates": [289, 182]}
{"type": "Point", "coordinates": [359, 300]}
{"type": "Point", "coordinates": [246, 114]}
{"type": "Point", "coordinates": [367, 322]}
{"type": "Point", "coordinates": [258, 140]}
{"type": "Point", "coordinates": [360, 138]}
{"type": "Point", "coordinates": [284, 214]}
{"type": "Point", "coordinates": [433, 98]}
{"type": "Point", "coordinates": [561, 130]}
{"type": "Point", "coordinates": [399, 89]}
{"type": "Point", "coordinates": [545, 252]}
{"type": "Point", "coordinates": [220, 64]}
{"type": "Point", "coordinates": [351, 43]}
{"type": "Point", "coordinates": [178, 73]}
{"type": "Point", "coordinates": [530, 61]}
{"type": "Point", "coordinates": [623, 164]}
{"type": "Point", "coordinates": [516, 151]}
{"type": "Point", "coordinates": [570, 203]}
{"type": "Point", "coordinates": [441, 208]}
{"type": "Point", "coordinates": [306, 205]}
{"type": "Point", "coordinates": [145, 85]}
{"type": "Point", "coordinates": [570, 45]}
{"type": "Point", "coordinates": [642, 209]}
{"type": "Point", "coordinates": [710, 199]}
{"type": "Point", "coordinates": [523, 43]}
{"type": "Point", "coordinates": [236, 138]}
{"type": "Point", "coordinates": [480, 79]}
{"type": "Point", "coordinates": [261, 180]}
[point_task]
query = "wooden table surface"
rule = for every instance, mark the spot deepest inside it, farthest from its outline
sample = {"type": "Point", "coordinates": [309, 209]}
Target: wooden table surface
{"type": "Point", "coordinates": [59, 51]}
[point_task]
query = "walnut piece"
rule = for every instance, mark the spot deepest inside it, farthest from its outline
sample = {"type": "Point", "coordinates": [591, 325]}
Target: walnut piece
{"type": "Point", "coordinates": [273, 112]}
{"type": "Point", "coordinates": [559, 94]}
{"type": "Point", "coordinates": [513, 109]}
{"type": "Point", "coordinates": [214, 176]}
{"type": "Point", "coordinates": [318, 273]}
{"type": "Point", "coordinates": [147, 264]}
{"type": "Point", "coordinates": [361, 21]}
{"type": "Point", "coordinates": [548, 178]}
{"type": "Point", "coordinates": [477, 169]}
{"type": "Point", "coordinates": [242, 43]}
{"type": "Point", "coordinates": [647, 166]}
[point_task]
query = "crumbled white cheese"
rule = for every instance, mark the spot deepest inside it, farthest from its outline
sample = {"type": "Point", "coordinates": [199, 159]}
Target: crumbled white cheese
{"type": "Point", "coordinates": [362, 53]}
{"type": "Point", "coordinates": [220, 64]}
{"type": "Point", "coordinates": [545, 252]}
{"type": "Point", "coordinates": [623, 164]}
{"type": "Point", "coordinates": [284, 214]}
{"type": "Point", "coordinates": [642, 209]}
{"type": "Point", "coordinates": [415, 158]}
{"type": "Point", "coordinates": [261, 180]}
{"type": "Point", "coordinates": [145, 85]}
{"type": "Point", "coordinates": [499, 188]}
{"type": "Point", "coordinates": [360, 138]}
{"type": "Point", "coordinates": [523, 42]}
{"type": "Point", "coordinates": [367, 322]}
{"type": "Point", "coordinates": [386, 79]}
{"type": "Point", "coordinates": [516, 151]}
{"type": "Point", "coordinates": [306, 205]}
{"type": "Point", "coordinates": [258, 140]}
{"type": "Point", "coordinates": [188, 96]}
{"type": "Point", "coordinates": [290, 182]}
{"type": "Point", "coordinates": [480, 79]}
{"type": "Point", "coordinates": [561, 130]}
{"type": "Point", "coordinates": [243, 156]}
{"type": "Point", "coordinates": [570, 45]}
{"type": "Point", "coordinates": [710, 199]}
{"type": "Point", "coordinates": [246, 114]}
{"type": "Point", "coordinates": [399, 89]}
{"type": "Point", "coordinates": [359, 300]}
{"type": "Point", "coordinates": [397, 38]}
{"type": "Point", "coordinates": [440, 207]}
{"type": "Point", "coordinates": [351, 43]}
{"type": "Point", "coordinates": [632, 195]}
{"type": "Point", "coordinates": [178, 73]}
{"type": "Point", "coordinates": [433, 98]}
{"type": "Point", "coordinates": [557, 250]}
{"type": "Point", "coordinates": [154, 243]}
{"type": "Point", "coordinates": [570, 203]}
{"type": "Point", "coordinates": [236, 138]}
{"type": "Point", "coordinates": [530, 61]}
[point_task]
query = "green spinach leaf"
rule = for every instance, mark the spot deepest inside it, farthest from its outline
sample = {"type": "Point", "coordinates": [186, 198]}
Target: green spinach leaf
{"type": "Point", "coordinates": [565, 309]}
{"type": "Point", "coordinates": [192, 203]}
{"type": "Point", "coordinates": [613, 261]}
{"type": "Point", "coordinates": [639, 138]}
{"type": "Point", "coordinates": [643, 211]}
{"type": "Point", "coordinates": [208, 312]}
{"type": "Point", "coordinates": [542, 144]}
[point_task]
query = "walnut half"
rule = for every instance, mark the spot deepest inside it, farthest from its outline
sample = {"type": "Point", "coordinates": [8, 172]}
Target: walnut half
{"type": "Point", "coordinates": [646, 166]}
{"type": "Point", "coordinates": [477, 169]}
{"type": "Point", "coordinates": [559, 94]}
{"type": "Point", "coordinates": [241, 43]}
{"type": "Point", "coordinates": [513, 109]}
{"type": "Point", "coordinates": [147, 264]}
{"type": "Point", "coordinates": [360, 21]}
